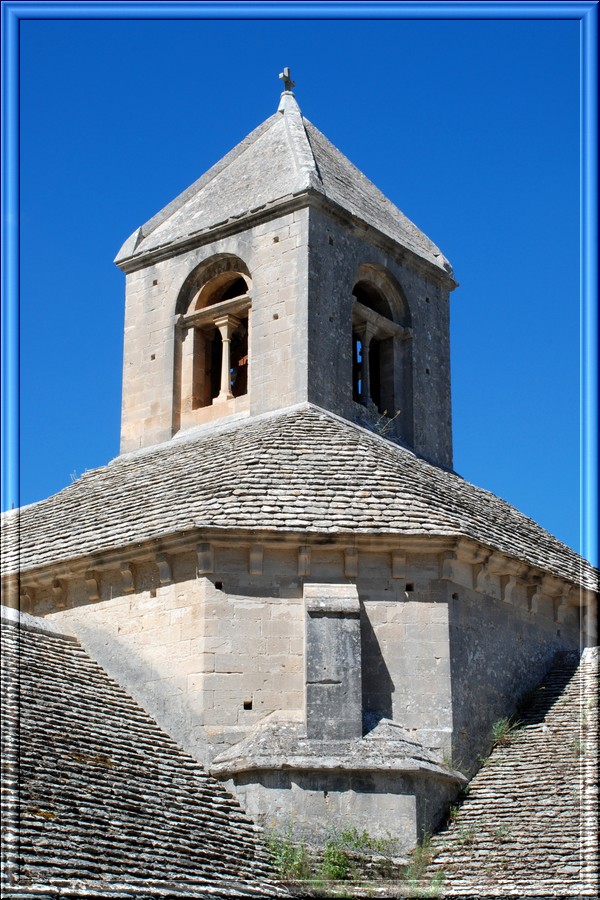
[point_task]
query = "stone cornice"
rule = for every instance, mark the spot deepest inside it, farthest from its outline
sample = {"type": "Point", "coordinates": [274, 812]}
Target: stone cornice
{"type": "Point", "coordinates": [203, 541]}
{"type": "Point", "coordinates": [303, 200]}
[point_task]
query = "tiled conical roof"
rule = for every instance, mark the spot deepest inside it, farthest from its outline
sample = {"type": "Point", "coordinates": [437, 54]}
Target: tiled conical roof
{"type": "Point", "coordinates": [296, 470]}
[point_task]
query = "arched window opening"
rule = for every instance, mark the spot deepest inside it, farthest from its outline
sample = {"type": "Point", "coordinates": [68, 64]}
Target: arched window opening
{"type": "Point", "coordinates": [226, 286]}
{"type": "Point", "coordinates": [373, 333]}
{"type": "Point", "coordinates": [215, 336]}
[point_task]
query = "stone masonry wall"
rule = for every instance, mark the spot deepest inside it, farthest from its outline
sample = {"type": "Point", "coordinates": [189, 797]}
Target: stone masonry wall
{"type": "Point", "coordinates": [336, 253]}
{"type": "Point", "coordinates": [276, 255]}
{"type": "Point", "coordinates": [210, 655]}
{"type": "Point", "coordinates": [197, 651]}
{"type": "Point", "coordinates": [499, 653]}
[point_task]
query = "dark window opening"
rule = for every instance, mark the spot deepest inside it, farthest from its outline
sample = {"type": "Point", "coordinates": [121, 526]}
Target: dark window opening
{"type": "Point", "coordinates": [375, 373]}
{"type": "Point", "coordinates": [237, 288]}
{"type": "Point", "coordinates": [239, 360]}
{"type": "Point", "coordinates": [357, 362]}
{"type": "Point", "coordinates": [369, 296]}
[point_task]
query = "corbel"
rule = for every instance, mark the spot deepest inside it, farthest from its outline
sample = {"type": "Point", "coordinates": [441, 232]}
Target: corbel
{"type": "Point", "coordinates": [255, 559]}
{"type": "Point", "coordinates": [561, 605]}
{"type": "Point", "coordinates": [472, 553]}
{"type": "Point", "coordinates": [59, 594]}
{"type": "Point", "coordinates": [447, 561]}
{"type": "Point", "coordinates": [535, 594]}
{"type": "Point", "coordinates": [92, 579]}
{"type": "Point", "coordinates": [26, 598]}
{"type": "Point", "coordinates": [303, 561]}
{"type": "Point", "coordinates": [483, 573]}
{"type": "Point", "coordinates": [350, 562]}
{"type": "Point", "coordinates": [509, 589]}
{"type": "Point", "coordinates": [165, 574]}
{"type": "Point", "coordinates": [398, 565]}
{"type": "Point", "coordinates": [206, 559]}
{"type": "Point", "coordinates": [127, 580]}
{"type": "Point", "coordinates": [510, 578]}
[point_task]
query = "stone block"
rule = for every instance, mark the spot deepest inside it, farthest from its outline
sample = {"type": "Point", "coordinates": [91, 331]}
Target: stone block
{"type": "Point", "coordinates": [333, 662]}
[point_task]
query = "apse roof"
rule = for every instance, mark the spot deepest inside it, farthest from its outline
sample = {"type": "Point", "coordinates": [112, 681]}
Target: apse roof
{"type": "Point", "coordinates": [296, 470]}
{"type": "Point", "coordinates": [284, 157]}
{"type": "Point", "coordinates": [532, 809]}
{"type": "Point", "coordinates": [97, 801]}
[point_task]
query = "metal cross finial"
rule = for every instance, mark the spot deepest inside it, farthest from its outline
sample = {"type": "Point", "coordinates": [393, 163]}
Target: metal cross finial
{"type": "Point", "coordinates": [285, 76]}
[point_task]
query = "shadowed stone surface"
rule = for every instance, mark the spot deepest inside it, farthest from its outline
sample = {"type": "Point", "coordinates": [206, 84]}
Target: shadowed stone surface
{"type": "Point", "coordinates": [528, 826]}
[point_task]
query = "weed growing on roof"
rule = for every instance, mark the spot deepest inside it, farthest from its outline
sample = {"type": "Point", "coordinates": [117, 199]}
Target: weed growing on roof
{"type": "Point", "coordinates": [337, 860]}
{"type": "Point", "coordinates": [466, 834]}
{"type": "Point", "coordinates": [381, 426]}
{"type": "Point", "coordinates": [421, 858]}
{"type": "Point", "coordinates": [504, 731]}
{"type": "Point", "coordinates": [450, 763]}
{"type": "Point", "coordinates": [579, 747]}
{"type": "Point", "coordinates": [503, 833]}
{"type": "Point", "coordinates": [290, 855]}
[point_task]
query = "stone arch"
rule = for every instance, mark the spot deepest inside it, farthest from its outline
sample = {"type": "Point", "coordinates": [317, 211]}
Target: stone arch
{"type": "Point", "coordinates": [382, 348]}
{"type": "Point", "coordinates": [212, 340]}
{"type": "Point", "coordinates": [381, 280]}
{"type": "Point", "coordinates": [206, 284]}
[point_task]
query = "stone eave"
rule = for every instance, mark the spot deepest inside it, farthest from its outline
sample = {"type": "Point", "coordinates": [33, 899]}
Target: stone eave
{"type": "Point", "coordinates": [284, 205]}
{"type": "Point", "coordinates": [450, 548]}
{"type": "Point", "coordinates": [187, 541]}
{"type": "Point", "coordinates": [316, 764]}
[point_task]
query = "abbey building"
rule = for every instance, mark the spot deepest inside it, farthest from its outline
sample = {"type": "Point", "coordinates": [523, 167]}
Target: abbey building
{"type": "Point", "coordinates": [281, 566]}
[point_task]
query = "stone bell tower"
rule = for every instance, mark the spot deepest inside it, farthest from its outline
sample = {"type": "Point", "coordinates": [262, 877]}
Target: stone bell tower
{"type": "Point", "coordinates": [322, 616]}
{"type": "Point", "coordinates": [284, 276]}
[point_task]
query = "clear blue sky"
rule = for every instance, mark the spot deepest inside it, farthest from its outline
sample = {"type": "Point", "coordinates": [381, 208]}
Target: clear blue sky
{"type": "Point", "coordinates": [470, 127]}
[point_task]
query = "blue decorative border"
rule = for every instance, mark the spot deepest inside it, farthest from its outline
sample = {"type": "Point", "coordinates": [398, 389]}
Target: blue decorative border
{"type": "Point", "coordinates": [585, 12]}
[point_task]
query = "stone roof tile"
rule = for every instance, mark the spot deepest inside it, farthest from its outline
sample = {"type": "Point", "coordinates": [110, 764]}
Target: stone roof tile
{"type": "Point", "coordinates": [528, 826]}
{"type": "Point", "coordinates": [271, 473]}
{"type": "Point", "coordinates": [283, 157]}
{"type": "Point", "coordinates": [97, 800]}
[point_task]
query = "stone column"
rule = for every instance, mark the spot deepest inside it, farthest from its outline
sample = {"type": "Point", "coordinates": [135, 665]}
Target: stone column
{"type": "Point", "coordinates": [333, 662]}
{"type": "Point", "coordinates": [226, 325]}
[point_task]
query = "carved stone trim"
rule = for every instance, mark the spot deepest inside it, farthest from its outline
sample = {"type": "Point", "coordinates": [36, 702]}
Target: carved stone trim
{"type": "Point", "coordinates": [127, 578]}
{"type": "Point", "coordinates": [165, 573]}
{"type": "Point", "coordinates": [256, 559]}
{"type": "Point", "coordinates": [206, 559]}
{"type": "Point", "coordinates": [92, 580]}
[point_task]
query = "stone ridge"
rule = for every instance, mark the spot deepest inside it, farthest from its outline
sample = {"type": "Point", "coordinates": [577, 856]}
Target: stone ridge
{"type": "Point", "coordinates": [528, 826]}
{"type": "Point", "coordinates": [301, 470]}
{"type": "Point", "coordinates": [282, 158]}
{"type": "Point", "coordinates": [98, 801]}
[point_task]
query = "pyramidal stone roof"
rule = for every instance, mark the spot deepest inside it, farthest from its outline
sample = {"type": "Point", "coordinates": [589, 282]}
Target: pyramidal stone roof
{"type": "Point", "coordinates": [297, 470]}
{"type": "Point", "coordinates": [529, 824]}
{"type": "Point", "coordinates": [97, 801]}
{"type": "Point", "coordinates": [283, 158]}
